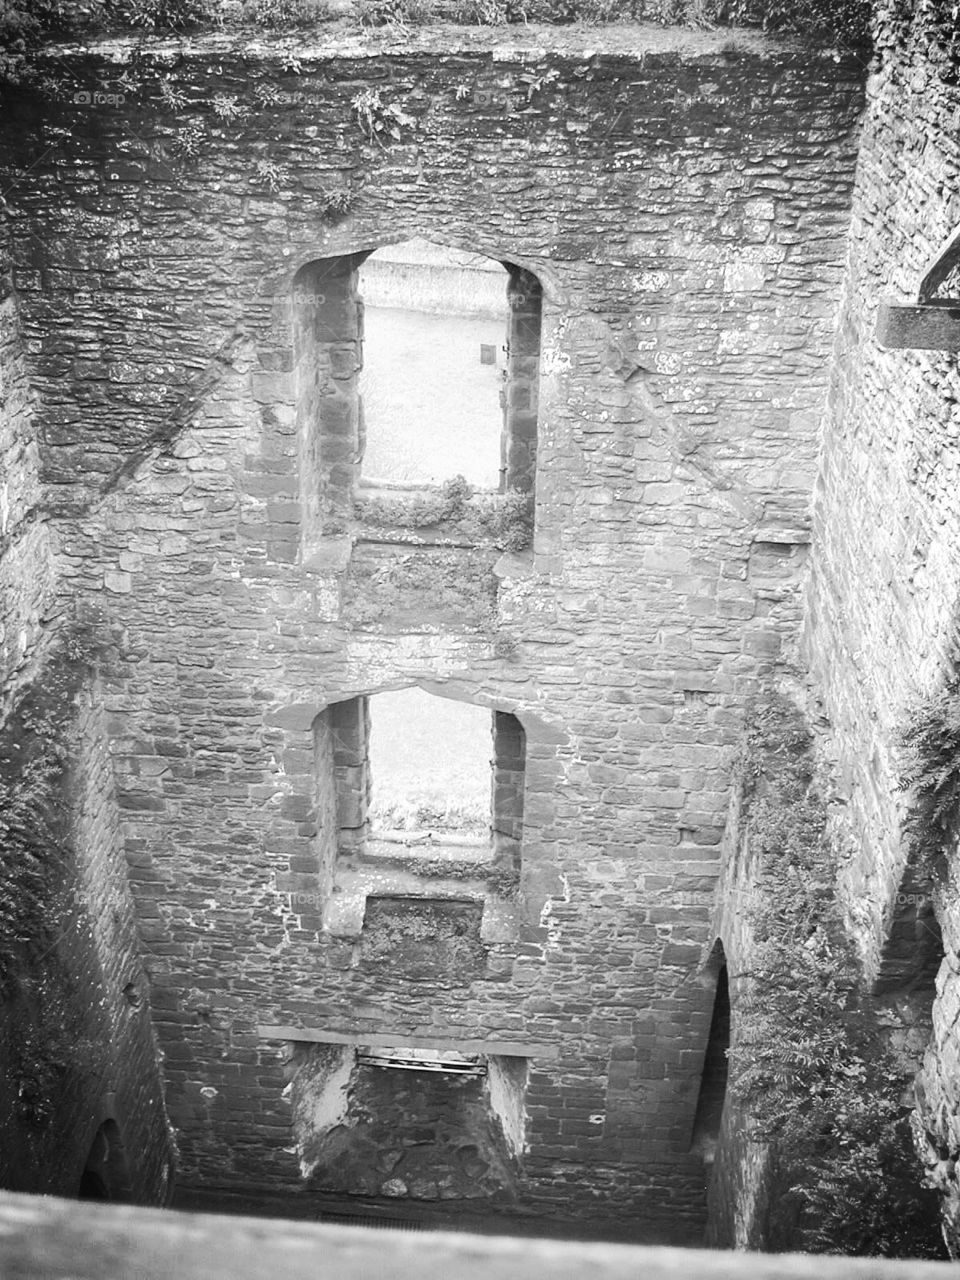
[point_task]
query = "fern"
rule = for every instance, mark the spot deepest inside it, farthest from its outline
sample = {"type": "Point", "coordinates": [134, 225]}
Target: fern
{"type": "Point", "coordinates": [811, 1062]}
{"type": "Point", "coordinates": [930, 770]}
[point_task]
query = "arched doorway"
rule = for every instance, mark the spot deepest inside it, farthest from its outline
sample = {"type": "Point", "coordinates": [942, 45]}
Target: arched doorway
{"type": "Point", "coordinates": [105, 1175]}
{"type": "Point", "coordinates": [713, 1081]}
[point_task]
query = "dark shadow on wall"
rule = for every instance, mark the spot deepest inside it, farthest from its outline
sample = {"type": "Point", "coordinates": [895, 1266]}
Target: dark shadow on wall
{"type": "Point", "coordinates": [737, 1168]}
{"type": "Point", "coordinates": [713, 1082]}
{"type": "Point", "coordinates": [913, 948]}
{"type": "Point", "coordinates": [106, 1175]}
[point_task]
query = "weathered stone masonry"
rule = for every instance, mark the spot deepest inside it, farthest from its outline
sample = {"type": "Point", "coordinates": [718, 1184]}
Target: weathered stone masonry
{"type": "Point", "coordinates": [26, 565]}
{"type": "Point", "coordinates": [881, 625]}
{"type": "Point", "coordinates": [78, 1054]}
{"type": "Point", "coordinates": [683, 201]}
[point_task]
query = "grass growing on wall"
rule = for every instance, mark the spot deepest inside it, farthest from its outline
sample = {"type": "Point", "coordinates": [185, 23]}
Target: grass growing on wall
{"type": "Point", "coordinates": [503, 519]}
{"type": "Point", "coordinates": [25, 25]}
{"type": "Point", "coordinates": [847, 21]}
{"type": "Point", "coordinates": [811, 1061]}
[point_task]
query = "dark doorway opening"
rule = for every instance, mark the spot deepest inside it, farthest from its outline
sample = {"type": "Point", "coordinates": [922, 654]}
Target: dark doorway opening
{"type": "Point", "coordinates": [713, 1082]}
{"type": "Point", "coordinates": [105, 1175]}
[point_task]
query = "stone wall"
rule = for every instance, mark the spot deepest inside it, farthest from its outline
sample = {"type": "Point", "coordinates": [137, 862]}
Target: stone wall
{"type": "Point", "coordinates": [683, 199]}
{"type": "Point", "coordinates": [427, 1134]}
{"type": "Point", "coordinates": [76, 1043]}
{"type": "Point", "coordinates": [740, 1187]}
{"type": "Point", "coordinates": [881, 623]}
{"type": "Point", "coordinates": [27, 577]}
{"type": "Point", "coordinates": [78, 1046]}
{"type": "Point", "coordinates": [49, 1237]}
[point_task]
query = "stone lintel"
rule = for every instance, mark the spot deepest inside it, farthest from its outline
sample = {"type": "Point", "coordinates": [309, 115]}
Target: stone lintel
{"type": "Point", "coordinates": [378, 1040]}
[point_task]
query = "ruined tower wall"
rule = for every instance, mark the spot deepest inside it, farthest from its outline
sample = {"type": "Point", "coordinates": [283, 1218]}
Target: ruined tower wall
{"type": "Point", "coordinates": [77, 1043]}
{"type": "Point", "coordinates": [881, 626]}
{"type": "Point", "coordinates": [104, 948]}
{"type": "Point", "coordinates": [27, 577]}
{"type": "Point", "coordinates": [683, 200]}
{"type": "Point", "coordinates": [78, 1049]}
{"type": "Point", "coordinates": [883, 606]}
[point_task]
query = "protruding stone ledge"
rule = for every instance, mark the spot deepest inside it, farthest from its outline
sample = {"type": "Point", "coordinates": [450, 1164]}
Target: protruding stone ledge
{"type": "Point", "coordinates": [920, 327]}
{"type": "Point", "coordinates": [43, 1238]}
{"type": "Point", "coordinates": [345, 910]}
{"type": "Point", "coordinates": [379, 1040]}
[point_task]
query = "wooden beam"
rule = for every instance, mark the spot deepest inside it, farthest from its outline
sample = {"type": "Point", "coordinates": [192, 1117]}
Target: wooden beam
{"type": "Point", "coordinates": [924, 327]}
{"type": "Point", "coordinates": [940, 268]}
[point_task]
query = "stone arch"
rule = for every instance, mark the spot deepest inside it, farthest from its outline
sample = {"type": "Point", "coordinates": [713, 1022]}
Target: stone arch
{"type": "Point", "coordinates": [302, 715]}
{"type": "Point", "coordinates": [342, 751]}
{"type": "Point", "coordinates": [354, 861]}
{"type": "Point", "coordinates": [342, 243]}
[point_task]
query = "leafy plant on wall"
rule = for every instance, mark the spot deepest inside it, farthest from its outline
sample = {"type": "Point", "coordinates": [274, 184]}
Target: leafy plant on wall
{"type": "Point", "coordinates": [811, 1061]}
{"type": "Point", "coordinates": [930, 773]}
{"type": "Point", "coordinates": [379, 119]}
{"type": "Point", "coordinates": [503, 519]}
{"type": "Point", "coordinates": [25, 25]}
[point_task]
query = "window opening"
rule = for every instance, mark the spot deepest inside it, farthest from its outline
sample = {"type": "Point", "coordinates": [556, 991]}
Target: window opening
{"type": "Point", "coordinates": [410, 768]}
{"type": "Point", "coordinates": [449, 1062]}
{"type": "Point", "coordinates": [434, 365]}
{"type": "Point", "coordinates": [430, 768]}
{"type": "Point", "coordinates": [414, 364]}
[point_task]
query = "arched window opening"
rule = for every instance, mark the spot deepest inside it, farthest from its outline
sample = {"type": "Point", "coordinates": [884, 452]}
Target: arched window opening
{"type": "Point", "coordinates": [105, 1175]}
{"type": "Point", "coordinates": [713, 1082]}
{"type": "Point", "coordinates": [414, 364]}
{"type": "Point", "coordinates": [409, 771]}
{"type": "Point", "coordinates": [434, 365]}
{"type": "Point", "coordinates": [430, 768]}
{"type": "Point", "coordinates": [509, 767]}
